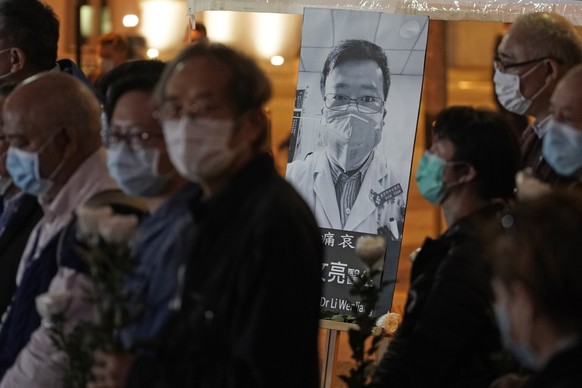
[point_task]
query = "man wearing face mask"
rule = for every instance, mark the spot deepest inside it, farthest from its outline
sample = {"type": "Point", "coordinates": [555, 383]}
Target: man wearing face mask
{"type": "Point", "coordinates": [19, 213]}
{"type": "Point", "coordinates": [348, 184]}
{"type": "Point", "coordinates": [536, 269]}
{"type": "Point", "coordinates": [447, 337]}
{"type": "Point", "coordinates": [532, 57]}
{"type": "Point", "coordinates": [257, 247]}
{"type": "Point", "coordinates": [562, 146]}
{"type": "Point", "coordinates": [54, 146]}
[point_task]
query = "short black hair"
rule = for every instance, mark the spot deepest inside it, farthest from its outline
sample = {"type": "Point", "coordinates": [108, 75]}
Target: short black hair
{"type": "Point", "coordinates": [33, 27]}
{"type": "Point", "coordinates": [356, 49]}
{"type": "Point", "coordinates": [484, 140]}
{"type": "Point", "coordinates": [148, 67]}
{"type": "Point", "coordinates": [142, 75]}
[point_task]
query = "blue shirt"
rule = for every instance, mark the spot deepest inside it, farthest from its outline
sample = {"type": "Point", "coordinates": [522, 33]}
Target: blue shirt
{"type": "Point", "coordinates": [163, 243]}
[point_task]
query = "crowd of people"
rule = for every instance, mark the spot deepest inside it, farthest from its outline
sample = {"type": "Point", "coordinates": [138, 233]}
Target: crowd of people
{"type": "Point", "coordinates": [226, 250]}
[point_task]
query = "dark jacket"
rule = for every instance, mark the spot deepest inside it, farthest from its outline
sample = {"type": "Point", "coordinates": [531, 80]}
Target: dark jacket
{"type": "Point", "coordinates": [12, 243]}
{"type": "Point", "coordinates": [448, 336]}
{"type": "Point", "coordinates": [250, 304]}
{"type": "Point", "coordinates": [563, 370]}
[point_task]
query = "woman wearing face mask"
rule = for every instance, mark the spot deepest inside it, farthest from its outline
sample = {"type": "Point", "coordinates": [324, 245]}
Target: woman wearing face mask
{"type": "Point", "coordinates": [448, 336]}
{"type": "Point", "coordinates": [138, 161]}
{"type": "Point", "coordinates": [536, 270]}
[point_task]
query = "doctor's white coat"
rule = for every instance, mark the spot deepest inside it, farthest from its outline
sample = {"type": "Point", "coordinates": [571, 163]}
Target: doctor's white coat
{"type": "Point", "coordinates": [380, 202]}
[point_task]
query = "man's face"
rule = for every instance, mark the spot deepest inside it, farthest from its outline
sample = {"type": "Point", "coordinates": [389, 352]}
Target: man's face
{"type": "Point", "coordinates": [353, 113]}
{"type": "Point", "coordinates": [20, 132]}
{"type": "Point", "coordinates": [566, 102]}
{"type": "Point", "coordinates": [197, 88]}
{"type": "Point", "coordinates": [514, 49]}
{"type": "Point", "coordinates": [133, 117]}
{"type": "Point", "coordinates": [356, 79]}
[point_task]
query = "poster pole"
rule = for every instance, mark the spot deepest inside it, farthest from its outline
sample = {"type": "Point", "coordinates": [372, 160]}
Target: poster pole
{"type": "Point", "coordinates": [332, 335]}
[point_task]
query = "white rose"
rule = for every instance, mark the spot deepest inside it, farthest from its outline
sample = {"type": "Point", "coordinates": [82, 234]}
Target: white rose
{"type": "Point", "coordinates": [50, 304]}
{"type": "Point", "coordinates": [118, 229]}
{"type": "Point", "coordinates": [88, 219]}
{"type": "Point", "coordinates": [388, 323]}
{"type": "Point", "coordinates": [370, 249]}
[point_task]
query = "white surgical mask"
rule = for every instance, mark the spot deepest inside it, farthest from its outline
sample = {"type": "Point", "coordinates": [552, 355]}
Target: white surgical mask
{"type": "Point", "coordinates": [350, 137]}
{"type": "Point", "coordinates": [507, 89]}
{"type": "Point", "coordinates": [198, 148]}
{"type": "Point", "coordinates": [562, 148]}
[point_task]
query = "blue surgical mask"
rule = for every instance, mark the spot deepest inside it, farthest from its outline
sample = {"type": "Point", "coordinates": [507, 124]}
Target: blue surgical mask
{"type": "Point", "coordinates": [23, 167]}
{"type": "Point", "coordinates": [562, 148]}
{"type": "Point", "coordinates": [136, 170]}
{"type": "Point", "coordinates": [429, 177]}
{"type": "Point", "coordinates": [521, 352]}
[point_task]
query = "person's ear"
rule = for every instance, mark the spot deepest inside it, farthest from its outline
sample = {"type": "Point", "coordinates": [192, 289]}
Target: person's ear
{"type": "Point", "coordinates": [469, 174]}
{"type": "Point", "coordinates": [70, 141]}
{"type": "Point", "coordinates": [552, 69]}
{"type": "Point", "coordinates": [17, 59]}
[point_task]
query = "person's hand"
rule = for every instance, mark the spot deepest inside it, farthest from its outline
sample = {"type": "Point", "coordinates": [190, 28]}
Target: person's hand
{"type": "Point", "coordinates": [529, 187]}
{"type": "Point", "coordinates": [111, 370]}
{"type": "Point", "coordinates": [510, 380]}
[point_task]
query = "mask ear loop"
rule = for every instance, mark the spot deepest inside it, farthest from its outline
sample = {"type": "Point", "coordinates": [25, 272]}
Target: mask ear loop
{"type": "Point", "coordinates": [457, 163]}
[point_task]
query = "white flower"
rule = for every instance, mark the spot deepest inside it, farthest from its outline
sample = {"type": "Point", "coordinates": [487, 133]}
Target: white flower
{"type": "Point", "coordinates": [118, 229]}
{"type": "Point", "coordinates": [388, 323]}
{"type": "Point", "coordinates": [370, 249]}
{"type": "Point", "coordinates": [88, 219]}
{"type": "Point", "coordinates": [50, 304]}
{"type": "Point", "coordinates": [529, 187]}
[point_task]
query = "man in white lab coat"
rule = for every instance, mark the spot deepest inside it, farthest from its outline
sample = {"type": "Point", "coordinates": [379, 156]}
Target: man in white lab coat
{"type": "Point", "coordinates": [348, 184]}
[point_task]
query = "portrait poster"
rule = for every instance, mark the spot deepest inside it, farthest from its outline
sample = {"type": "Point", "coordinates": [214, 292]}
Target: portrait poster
{"type": "Point", "coordinates": [352, 138]}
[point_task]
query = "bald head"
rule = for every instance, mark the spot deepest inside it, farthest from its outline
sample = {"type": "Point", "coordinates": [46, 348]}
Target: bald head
{"type": "Point", "coordinates": [53, 119]}
{"type": "Point", "coordinates": [36, 106]}
{"type": "Point", "coordinates": [566, 101]}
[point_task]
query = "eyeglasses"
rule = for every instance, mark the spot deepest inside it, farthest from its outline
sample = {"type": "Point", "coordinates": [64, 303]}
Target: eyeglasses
{"type": "Point", "coordinates": [502, 67]}
{"type": "Point", "coordinates": [132, 139]}
{"type": "Point", "coordinates": [172, 110]}
{"type": "Point", "coordinates": [365, 104]}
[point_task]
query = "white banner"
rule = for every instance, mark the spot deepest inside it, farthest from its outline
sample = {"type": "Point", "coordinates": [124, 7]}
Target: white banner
{"type": "Point", "coordinates": [482, 10]}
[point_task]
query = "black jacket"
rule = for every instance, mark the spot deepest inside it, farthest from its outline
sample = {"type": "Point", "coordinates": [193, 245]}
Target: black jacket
{"type": "Point", "coordinates": [12, 243]}
{"type": "Point", "coordinates": [448, 336]}
{"type": "Point", "coordinates": [250, 305]}
{"type": "Point", "coordinates": [563, 370]}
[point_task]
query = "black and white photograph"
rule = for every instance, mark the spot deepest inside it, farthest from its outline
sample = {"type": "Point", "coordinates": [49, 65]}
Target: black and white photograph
{"type": "Point", "coordinates": [352, 137]}
{"type": "Point", "coordinates": [358, 96]}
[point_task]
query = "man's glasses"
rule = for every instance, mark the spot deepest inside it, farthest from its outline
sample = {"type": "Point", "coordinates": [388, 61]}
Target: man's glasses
{"type": "Point", "coordinates": [502, 66]}
{"type": "Point", "coordinates": [365, 104]}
